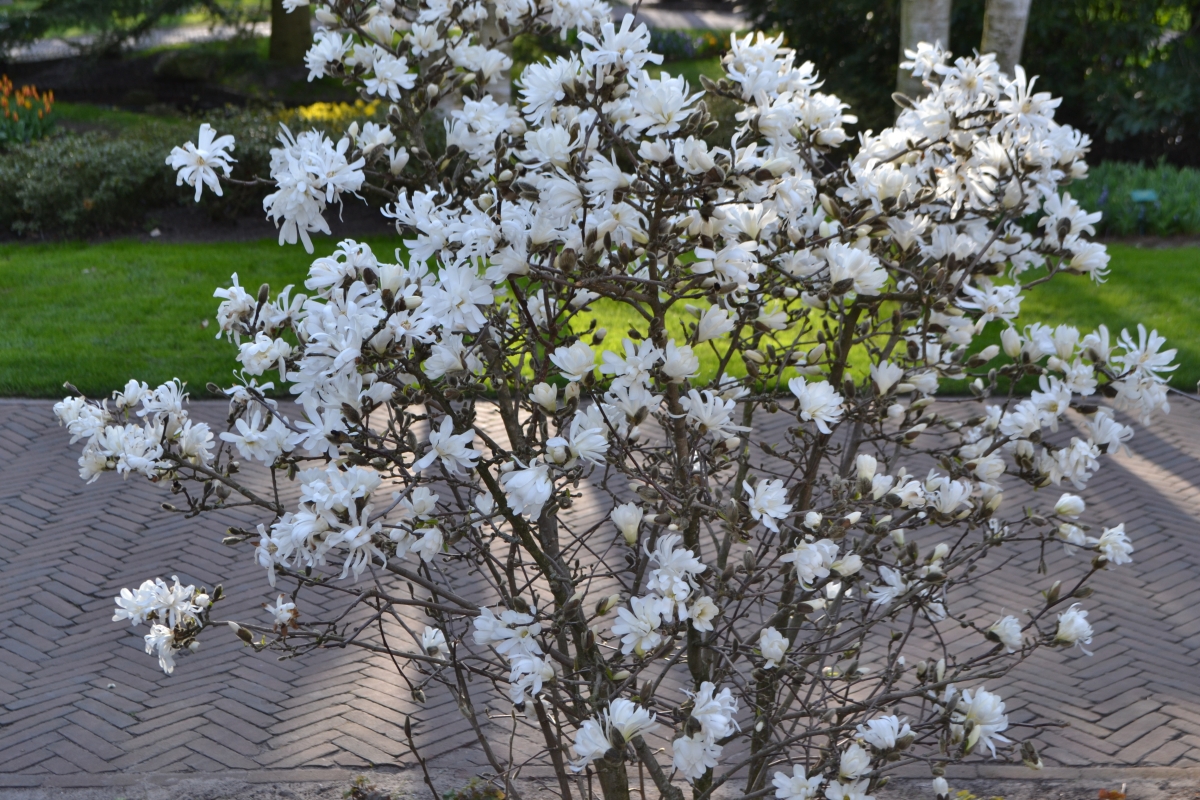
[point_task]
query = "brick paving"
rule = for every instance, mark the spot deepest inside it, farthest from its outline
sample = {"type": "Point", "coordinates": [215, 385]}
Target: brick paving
{"type": "Point", "coordinates": [80, 701]}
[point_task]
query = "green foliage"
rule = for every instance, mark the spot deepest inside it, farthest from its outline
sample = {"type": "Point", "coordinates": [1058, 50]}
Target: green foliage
{"type": "Point", "coordinates": [678, 45]}
{"type": "Point", "coordinates": [1128, 70]}
{"type": "Point", "coordinates": [96, 182]}
{"type": "Point", "coordinates": [111, 23]}
{"type": "Point", "coordinates": [476, 789]}
{"type": "Point", "coordinates": [80, 184]}
{"type": "Point", "coordinates": [1110, 185]}
{"type": "Point", "coordinates": [362, 789]}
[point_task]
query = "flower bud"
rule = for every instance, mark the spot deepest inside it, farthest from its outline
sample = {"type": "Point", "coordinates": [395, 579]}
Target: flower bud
{"type": "Point", "coordinates": [1011, 340]}
{"type": "Point", "coordinates": [608, 604]}
{"type": "Point", "coordinates": [1069, 505]}
{"type": "Point", "coordinates": [628, 517]}
{"type": "Point", "coordinates": [545, 396]}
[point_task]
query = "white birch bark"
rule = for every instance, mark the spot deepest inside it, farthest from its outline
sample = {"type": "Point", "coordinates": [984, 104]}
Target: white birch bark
{"type": "Point", "coordinates": [920, 21]}
{"type": "Point", "coordinates": [1004, 24]}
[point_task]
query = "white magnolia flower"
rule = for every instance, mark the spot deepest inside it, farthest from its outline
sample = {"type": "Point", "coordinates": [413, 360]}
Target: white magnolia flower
{"type": "Point", "coordinates": [160, 641]}
{"type": "Point", "coordinates": [711, 413]}
{"type": "Point", "coordinates": [433, 641]}
{"type": "Point", "coordinates": [1007, 631]}
{"type": "Point", "coordinates": [813, 560]}
{"type": "Point", "coordinates": [796, 786]}
{"type": "Point", "coordinates": [856, 790]}
{"type": "Point", "coordinates": [628, 719]}
{"type": "Point", "coordinates": [694, 755]}
{"type": "Point", "coordinates": [884, 733]}
{"type": "Point", "coordinates": [857, 270]}
{"type": "Point", "coordinates": [528, 489]}
{"type": "Point", "coordinates": [638, 626]}
{"type": "Point", "coordinates": [702, 613]}
{"type": "Point", "coordinates": [453, 449]}
{"type": "Point", "coordinates": [766, 502]}
{"type": "Point", "coordinates": [1073, 628]}
{"type": "Point", "coordinates": [576, 362]}
{"type": "Point", "coordinates": [198, 163]}
{"type": "Point", "coordinates": [1069, 505]}
{"type": "Point", "coordinates": [773, 646]}
{"type": "Point", "coordinates": [679, 363]}
{"type": "Point", "coordinates": [818, 403]}
{"type": "Point", "coordinates": [855, 763]}
{"type": "Point", "coordinates": [983, 712]}
{"type": "Point", "coordinates": [715, 711]}
{"type": "Point", "coordinates": [1114, 545]}
{"type": "Point", "coordinates": [545, 395]}
{"type": "Point", "coordinates": [591, 742]}
{"type": "Point", "coordinates": [282, 612]}
{"type": "Point", "coordinates": [714, 322]}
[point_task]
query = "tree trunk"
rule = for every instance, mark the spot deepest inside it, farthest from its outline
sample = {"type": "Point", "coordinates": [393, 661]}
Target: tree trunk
{"type": "Point", "coordinates": [614, 780]}
{"type": "Point", "coordinates": [1004, 31]}
{"type": "Point", "coordinates": [920, 21]}
{"type": "Point", "coordinates": [291, 34]}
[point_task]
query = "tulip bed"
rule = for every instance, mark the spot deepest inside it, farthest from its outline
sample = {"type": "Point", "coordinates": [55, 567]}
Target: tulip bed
{"type": "Point", "coordinates": [97, 313]}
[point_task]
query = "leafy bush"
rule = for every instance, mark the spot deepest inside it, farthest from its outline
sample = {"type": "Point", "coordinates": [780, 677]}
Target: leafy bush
{"type": "Point", "coordinates": [1109, 189]}
{"type": "Point", "coordinates": [81, 184]}
{"type": "Point", "coordinates": [1126, 68]}
{"type": "Point", "coordinates": [26, 114]}
{"type": "Point", "coordinates": [681, 44]}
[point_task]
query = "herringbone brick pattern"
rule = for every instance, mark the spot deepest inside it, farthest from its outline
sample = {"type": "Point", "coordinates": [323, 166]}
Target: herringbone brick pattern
{"type": "Point", "coordinates": [77, 695]}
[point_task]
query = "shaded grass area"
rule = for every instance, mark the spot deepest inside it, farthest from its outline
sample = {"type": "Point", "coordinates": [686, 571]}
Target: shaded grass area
{"type": "Point", "coordinates": [97, 315]}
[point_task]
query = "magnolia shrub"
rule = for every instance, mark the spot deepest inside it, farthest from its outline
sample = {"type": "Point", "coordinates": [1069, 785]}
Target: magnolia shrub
{"type": "Point", "coordinates": [703, 543]}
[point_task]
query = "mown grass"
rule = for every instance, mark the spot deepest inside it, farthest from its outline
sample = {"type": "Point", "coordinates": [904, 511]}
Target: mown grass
{"type": "Point", "coordinates": [97, 315]}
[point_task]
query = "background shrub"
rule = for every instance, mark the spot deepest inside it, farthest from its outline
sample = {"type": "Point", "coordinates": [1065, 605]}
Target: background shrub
{"type": "Point", "coordinates": [1128, 71]}
{"type": "Point", "coordinates": [1109, 186]}
{"type": "Point", "coordinates": [80, 184]}
{"type": "Point", "coordinates": [677, 45]}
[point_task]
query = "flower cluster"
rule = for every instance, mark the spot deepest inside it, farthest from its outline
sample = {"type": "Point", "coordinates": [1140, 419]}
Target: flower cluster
{"type": "Point", "coordinates": [753, 489]}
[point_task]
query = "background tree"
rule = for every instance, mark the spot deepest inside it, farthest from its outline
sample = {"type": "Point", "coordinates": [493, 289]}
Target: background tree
{"type": "Point", "coordinates": [291, 34]}
{"type": "Point", "coordinates": [1004, 24]}
{"type": "Point", "coordinates": [1127, 70]}
{"type": "Point", "coordinates": [114, 24]}
{"type": "Point", "coordinates": [921, 21]}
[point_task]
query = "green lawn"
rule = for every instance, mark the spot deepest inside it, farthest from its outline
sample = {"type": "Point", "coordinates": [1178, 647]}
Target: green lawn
{"type": "Point", "coordinates": [99, 314]}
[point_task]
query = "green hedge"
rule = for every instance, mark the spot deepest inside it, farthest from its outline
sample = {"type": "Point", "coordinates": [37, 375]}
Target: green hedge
{"type": "Point", "coordinates": [1109, 187]}
{"type": "Point", "coordinates": [80, 184]}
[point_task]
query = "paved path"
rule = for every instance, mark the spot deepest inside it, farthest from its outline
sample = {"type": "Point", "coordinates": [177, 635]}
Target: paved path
{"type": "Point", "coordinates": [66, 47]}
{"type": "Point", "coordinates": [81, 705]}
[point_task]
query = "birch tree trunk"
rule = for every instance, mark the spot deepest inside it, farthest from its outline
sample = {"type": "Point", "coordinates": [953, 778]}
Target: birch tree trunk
{"type": "Point", "coordinates": [1004, 24]}
{"type": "Point", "coordinates": [921, 21]}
